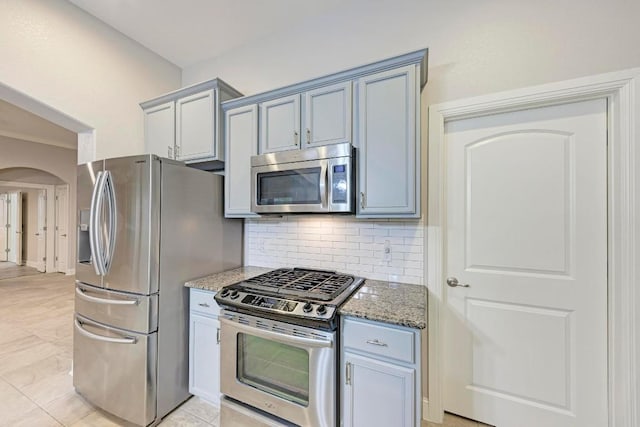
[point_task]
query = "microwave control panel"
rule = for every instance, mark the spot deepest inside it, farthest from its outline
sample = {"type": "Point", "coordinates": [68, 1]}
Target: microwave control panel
{"type": "Point", "coordinates": [339, 184]}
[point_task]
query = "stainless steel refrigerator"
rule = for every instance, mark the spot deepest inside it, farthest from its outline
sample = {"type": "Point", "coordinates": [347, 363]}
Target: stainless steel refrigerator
{"type": "Point", "coordinates": [145, 226]}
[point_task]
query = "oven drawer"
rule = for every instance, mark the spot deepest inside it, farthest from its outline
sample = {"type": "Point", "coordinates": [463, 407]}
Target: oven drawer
{"type": "Point", "coordinates": [202, 302]}
{"type": "Point", "coordinates": [375, 338]}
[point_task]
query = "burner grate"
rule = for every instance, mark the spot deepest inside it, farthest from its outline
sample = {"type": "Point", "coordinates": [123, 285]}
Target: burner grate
{"type": "Point", "coordinates": [315, 284]}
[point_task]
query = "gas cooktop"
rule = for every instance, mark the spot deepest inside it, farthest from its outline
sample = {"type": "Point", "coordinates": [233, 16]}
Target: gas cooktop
{"type": "Point", "coordinates": [295, 295]}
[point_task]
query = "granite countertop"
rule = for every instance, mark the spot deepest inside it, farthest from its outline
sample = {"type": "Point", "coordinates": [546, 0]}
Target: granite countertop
{"type": "Point", "coordinates": [216, 281]}
{"type": "Point", "coordinates": [395, 303]}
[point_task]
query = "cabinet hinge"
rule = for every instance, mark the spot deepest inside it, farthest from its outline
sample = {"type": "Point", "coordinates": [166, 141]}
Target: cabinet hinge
{"type": "Point", "coordinates": [347, 374]}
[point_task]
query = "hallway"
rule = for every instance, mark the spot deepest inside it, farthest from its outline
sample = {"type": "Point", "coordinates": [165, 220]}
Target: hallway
{"type": "Point", "coordinates": [9, 270]}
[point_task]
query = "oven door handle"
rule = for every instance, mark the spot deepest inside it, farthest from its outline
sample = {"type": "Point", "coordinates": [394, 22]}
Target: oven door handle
{"type": "Point", "coordinates": [283, 338]}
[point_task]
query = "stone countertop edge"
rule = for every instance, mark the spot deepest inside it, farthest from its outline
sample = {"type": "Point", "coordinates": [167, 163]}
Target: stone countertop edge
{"type": "Point", "coordinates": [388, 302]}
{"type": "Point", "coordinates": [217, 281]}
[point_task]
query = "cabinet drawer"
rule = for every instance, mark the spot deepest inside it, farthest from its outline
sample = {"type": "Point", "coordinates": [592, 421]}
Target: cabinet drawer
{"type": "Point", "coordinates": [379, 339]}
{"type": "Point", "coordinates": [203, 302]}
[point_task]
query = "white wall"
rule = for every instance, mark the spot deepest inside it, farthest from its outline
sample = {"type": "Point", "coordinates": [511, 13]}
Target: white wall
{"type": "Point", "coordinates": [60, 55]}
{"type": "Point", "coordinates": [475, 47]}
{"type": "Point", "coordinates": [339, 243]}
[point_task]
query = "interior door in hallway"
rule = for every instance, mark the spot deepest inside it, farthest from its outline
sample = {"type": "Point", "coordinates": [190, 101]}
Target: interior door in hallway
{"type": "Point", "coordinates": [525, 344]}
{"type": "Point", "coordinates": [4, 228]}
{"type": "Point", "coordinates": [15, 227]}
{"type": "Point", "coordinates": [62, 220]}
{"type": "Point", "coordinates": [41, 232]}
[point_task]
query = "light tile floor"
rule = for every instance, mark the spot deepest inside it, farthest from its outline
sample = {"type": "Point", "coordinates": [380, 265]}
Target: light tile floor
{"type": "Point", "coordinates": [36, 390]}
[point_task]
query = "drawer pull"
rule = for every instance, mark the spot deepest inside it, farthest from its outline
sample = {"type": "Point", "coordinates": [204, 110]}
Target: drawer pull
{"type": "Point", "coordinates": [203, 304]}
{"type": "Point", "coordinates": [378, 343]}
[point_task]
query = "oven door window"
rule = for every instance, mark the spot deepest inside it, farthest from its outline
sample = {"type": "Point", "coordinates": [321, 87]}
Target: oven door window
{"type": "Point", "coordinates": [291, 187]}
{"type": "Point", "coordinates": [275, 368]}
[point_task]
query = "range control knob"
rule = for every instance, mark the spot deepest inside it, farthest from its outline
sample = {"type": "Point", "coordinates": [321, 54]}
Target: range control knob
{"type": "Point", "coordinates": [234, 294]}
{"type": "Point", "coordinates": [322, 309]}
{"type": "Point", "coordinates": [225, 293]}
{"type": "Point", "coordinates": [307, 307]}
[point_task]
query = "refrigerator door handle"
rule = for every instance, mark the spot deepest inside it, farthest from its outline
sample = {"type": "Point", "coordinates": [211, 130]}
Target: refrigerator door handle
{"type": "Point", "coordinates": [82, 294]}
{"type": "Point", "coordinates": [83, 331]}
{"type": "Point", "coordinates": [110, 195]}
{"type": "Point", "coordinates": [94, 221]}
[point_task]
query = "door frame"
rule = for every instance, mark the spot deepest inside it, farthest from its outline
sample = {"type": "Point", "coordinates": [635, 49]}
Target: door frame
{"type": "Point", "coordinates": [622, 91]}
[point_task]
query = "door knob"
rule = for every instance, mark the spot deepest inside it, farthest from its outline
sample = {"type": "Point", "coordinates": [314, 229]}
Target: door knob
{"type": "Point", "coordinates": [453, 282]}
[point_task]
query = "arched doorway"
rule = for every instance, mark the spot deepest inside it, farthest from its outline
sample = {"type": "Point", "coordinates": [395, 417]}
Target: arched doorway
{"type": "Point", "coordinates": [36, 207]}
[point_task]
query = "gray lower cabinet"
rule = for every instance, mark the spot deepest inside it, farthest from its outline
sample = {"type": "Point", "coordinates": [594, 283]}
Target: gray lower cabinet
{"type": "Point", "coordinates": [380, 375]}
{"type": "Point", "coordinates": [388, 143]}
{"type": "Point", "coordinates": [204, 346]}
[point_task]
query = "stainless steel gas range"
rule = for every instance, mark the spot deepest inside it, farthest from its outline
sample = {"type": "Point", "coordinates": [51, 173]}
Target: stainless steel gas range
{"type": "Point", "coordinates": [279, 342]}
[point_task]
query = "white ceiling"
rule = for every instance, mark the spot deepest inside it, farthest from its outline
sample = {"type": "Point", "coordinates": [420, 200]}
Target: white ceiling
{"type": "Point", "coordinates": [186, 32]}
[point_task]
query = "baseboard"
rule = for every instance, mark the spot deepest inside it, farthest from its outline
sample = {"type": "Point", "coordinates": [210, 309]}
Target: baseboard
{"type": "Point", "coordinates": [431, 414]}
{"type": "Point", "coordinates": [70, 272]}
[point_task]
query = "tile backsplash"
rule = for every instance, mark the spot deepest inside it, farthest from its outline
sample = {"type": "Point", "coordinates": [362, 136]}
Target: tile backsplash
{"type": "Point", "coordinates": [339, 243]}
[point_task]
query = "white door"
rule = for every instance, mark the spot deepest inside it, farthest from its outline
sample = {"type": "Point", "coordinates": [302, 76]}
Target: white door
{"type": "Point", "coordinates": [15, 227]}
{"type": "Point", "coordinates": [526, 343]}
{"type": "Point", "coordinates": [4, 242]}
{"type": "Point", "coordinates": [41, 232]}
{"type": "Point", "coordinates": [62, 228]}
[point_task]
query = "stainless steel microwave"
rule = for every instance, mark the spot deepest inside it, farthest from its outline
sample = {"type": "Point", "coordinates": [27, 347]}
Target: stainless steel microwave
{"type": "Point", "coordinates": [315, 180]}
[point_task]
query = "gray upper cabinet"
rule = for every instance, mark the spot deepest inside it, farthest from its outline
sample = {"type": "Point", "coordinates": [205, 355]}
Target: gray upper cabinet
{"type": "Point", "coordinates": [389, 144]}
{"type": "Point", "coordinates": [241, 134]}
{"type": "Point", "coordinates": [280, 124]}
{"type": "Point", "coordinates": [195, 127]}
{"type": "Point", "coordinates": [313, 118]}
{"type": "Point", "coordinates": [160, 129]}
{"type": "Point", "coordinates": [185, 124]}
{"type": "Point", "coordinates": [327, 115]}
{"type": "Point", "coordinates": [376, 107]}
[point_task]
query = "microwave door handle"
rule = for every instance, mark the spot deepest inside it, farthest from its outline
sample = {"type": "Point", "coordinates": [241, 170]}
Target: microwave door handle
{"type": "Point", "coordinates": [324, 187]}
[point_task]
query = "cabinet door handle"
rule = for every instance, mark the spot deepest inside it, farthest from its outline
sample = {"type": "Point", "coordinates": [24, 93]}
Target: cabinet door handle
{"type": "Point", "coordinates": [295, 137]}
{"type": "Point", "coordinates": [177, 151]}
{"type": "Point", "coordinates": [362, 202]}
{"type": "Point", "coordinates": [348, 374]}
{"type": "Point", "coordinates": [170, 152]}
{"type": "Point", "coordinates": [308, 136]}
{"type": "Point", "coordinates": [203, 304]}
{"type": "Point", "coordinates": [218, 336]}
{"type": "Point", "coordinates": [378, 343]}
